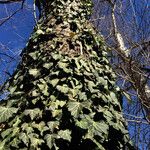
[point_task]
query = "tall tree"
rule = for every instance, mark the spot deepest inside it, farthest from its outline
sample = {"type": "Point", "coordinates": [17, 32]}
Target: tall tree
{"type": "Point", "coordinates": [63, 93]}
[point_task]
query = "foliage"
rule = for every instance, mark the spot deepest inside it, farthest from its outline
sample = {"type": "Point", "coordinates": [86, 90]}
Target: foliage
{"type": "Point", "coordinates": [63, 93]}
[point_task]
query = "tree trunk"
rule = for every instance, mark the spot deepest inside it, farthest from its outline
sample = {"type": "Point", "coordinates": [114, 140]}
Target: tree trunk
{"type": "Point", "coordinates": [63, 94]}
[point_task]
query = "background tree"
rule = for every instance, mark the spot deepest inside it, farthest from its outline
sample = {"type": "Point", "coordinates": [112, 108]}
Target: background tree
{"type": "Point", "coordinates": [126, 28]}
{"type": "Point", "coordinates": [63, 93]}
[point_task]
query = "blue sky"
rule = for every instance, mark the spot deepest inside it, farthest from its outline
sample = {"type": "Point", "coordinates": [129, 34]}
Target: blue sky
{"type": "Point", "coordinates": [14, 35]}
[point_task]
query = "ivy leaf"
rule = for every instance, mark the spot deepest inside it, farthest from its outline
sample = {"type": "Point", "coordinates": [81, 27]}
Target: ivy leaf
{"type": "Point", "coordinates": [63, 89]}
{"type": "Point", "coordinates": [65, 134]}
{"type": "Point", "coordinates": [6, 113]}
{"type": "Point", "coordinates": [2, 145]}
{"type": "Point", "coordinates": [75, 108]}
{"type": "Point", "coordinates": [62, 65]}
{"type": "Point", "coordinates": [34, 72]}
{"type": "Point", "coordinates": [82, 96]}
{"type": "Point", "coordinates": [53, 125]}
{"type": "Point", "coordinates": [15, 143]}
{"type": "Point", "coordinates": [12, 89]}
{"type": "Point", "coordinates": [33, 113]}
{"type": "Point", "coordinates": [49, 140]}
{"type": "Point", "coordinates": [91, 86]}
{"type": "Point", "coordinates": [54, 82]}
{"type": "Point", "coordinates": [100, 127]}
{"type": "Point", "coordinates": [39, 31]}
{"type": "Point", "coordinates": [82, 124]}
{"type": "Point", "coordinates": [24, 138]}
{"type": "Point", "coordinates": [40, 126]}
{"type": "Point", "coordinates": [97, 128]}
{"type": "Point", "coordinates": [114, 98]}
{"type": "Point", "coordinates": [44, 88]}
{"type": "Point", "coordinates": [6, 133]}
{"type": "Point", "coordinates": [47, 65]}
{"type": "Point", "coordinates": [35, 93]}
{"type": "Point", "coordinates": [34, 55]}
{"type": "Point", "coordinates": [27, 128]}
{"type": "Point", "coordinates": [102, 81]}
{"type": "Point", "coordinates": [56, 56]}
{"type": "Point", "coordinates": [36, 141]}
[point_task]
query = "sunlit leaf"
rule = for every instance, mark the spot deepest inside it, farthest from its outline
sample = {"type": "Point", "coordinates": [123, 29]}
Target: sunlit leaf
{"type": "Point", "coordinates": [6, 113]}
{"type": "Point", "coordinates": [65, 134]}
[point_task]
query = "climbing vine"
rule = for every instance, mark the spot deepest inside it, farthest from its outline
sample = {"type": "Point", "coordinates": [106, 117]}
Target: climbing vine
{"type": "Point", "coordinates": [63, 93]}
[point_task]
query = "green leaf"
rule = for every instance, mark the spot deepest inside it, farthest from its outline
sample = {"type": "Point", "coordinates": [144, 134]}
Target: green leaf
{"type": "Point", "coordinates": [16, 123]}
{"type": "Point", "coordinates": [34, 55]}
{"type": "Point", "coordinates": [36, 141]}
{"type": "Point", "coordinates": [82, 96]}
{"type": "Point", "coordinates": [44, 88]}
{"type": "Point", "coordinates": [24, 138]}
{"type": "Point", "coordinates": [53, 125]}
{"type": "Point", "coordinates": [82, 124]}
{"type": "Point", "coordinates": [62, 65]}
{"type": "Point", "coordinates": [40, 126]}
{"type": "Point", "coordinates": [98, 144]}
{"type": "Point", "coordinates": [6, 133]}
{"type": "Point", "coordinates": [91, 86]}
{"type": "Point", "coordinates": [2, 145]}
{"type": "Point", "coordinates": [114, 98]}
{"type": "Point", "coordinates": [35, 93]}
{"type": "Point", "coordinates": [56, 56]}
{"type": "Point", "coordinates": [12, 89]}
{"type": "Point", "coordinates": [27, 128]}
{"type": "Point", "coordinates": [15, 143]}
{"type": "Point", "coordinates": [102, 81]}
{"type": "Point", "coordinates": [54, 82]}
{"type": "Point", "coordinates": [65, 134]}
{"type": "Point", "coordinates": [34, 72]}
{"type": "Point", "coordinates": [75, 108]}
{"type": "Point", "coordinates": [100, 127]}
{"type": "Point", "coordinates": [77, 64]}
{"type": "Point", "coordinates": [49, 140]}
{"type": "Point", "coordinates": [63, 89]}
{"type": "Point", "coordinates": [57, 112]}
{"type": "Point", "coordinates": [97, 128]}
{"type": "Point", "coordinates": [6, 113]}
{"type": "Point", "coordinates": [39, 31]}
{"type": "Point", "coordinates": [15, 131]}
{"type": "Point", "coordinates": [47, 65]}
{"type": "Point", "coordinates": [33, 113]}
